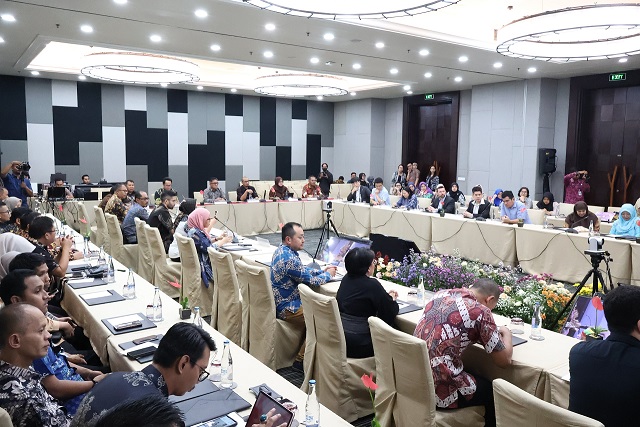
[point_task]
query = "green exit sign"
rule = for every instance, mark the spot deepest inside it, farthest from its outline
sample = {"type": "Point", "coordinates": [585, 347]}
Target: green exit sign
{"type": "Point", "coordinates": [429, 96]}
{"type": "Point", "coordinates": [616, 77]}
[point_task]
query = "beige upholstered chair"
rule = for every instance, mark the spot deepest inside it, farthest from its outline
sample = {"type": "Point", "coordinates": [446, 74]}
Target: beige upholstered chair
{"type": "Point", "coordinates": [516, 407]}
{"type": "Point", "coordinates": [226, 311]}
{"type": "Point", "coordinates": [126, 254]}
{"type": "Point", "coordinates": [84, 228]}
{"type": "Point", "coordinates": [5, 419]}
{"type": "Point", "coordinates": [339, 385]}
{"type": "Point", "coordinates": [536, 216]}
{"type": "Point", "coordinates": [596, 209]}
{"type": "Point", "coordinates": [101, 227]}
{"type": "Point", "coordinates": [145, 261]}
{"type": "Point", "coordinates": [272, 341]}
{"type": "Point", "coordinates": [565, 208]}
{"type": "Point", "coordinates": [406, 393]}
{"type": "Point", "coordinates": [190, 277]}
{"type": "Point", "coordinates": [164, 270]}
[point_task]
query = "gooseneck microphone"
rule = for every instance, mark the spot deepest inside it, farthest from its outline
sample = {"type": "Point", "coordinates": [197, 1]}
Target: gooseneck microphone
{"type": "Point", "coordinates": [235, 238]}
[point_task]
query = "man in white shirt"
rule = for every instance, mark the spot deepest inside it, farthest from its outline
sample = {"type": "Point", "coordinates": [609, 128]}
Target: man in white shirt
{"type": "Point", "coordinates": [379, 195]}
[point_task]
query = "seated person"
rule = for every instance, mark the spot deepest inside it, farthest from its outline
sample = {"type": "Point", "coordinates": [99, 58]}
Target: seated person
{"type": "Point", "coordinates": [604, 373]}
{"type": "Point", "coordinates": [397, 189]}
{"type": "Point", "coordinates": [478, 207]}
{"type": "Point", "coordinates": [278, 191]}
{"type": "Point", "coordinates": [79, 192]}
{"type": "Point", "coordinates": [185, 208]}
{"type": "Point", "coordinates": [115, 205]}
{"type": "Point", "coordinates": [582, 217]}
{"type": "Point", "coordinates": [213, 193]}
{"type": "Point", "coordinates": [359, 193]}
{"type": "Point", "coordinates": [523, 197]}
{"type": "Point", "coordinates": [424, 191]}
{"type": "Point", "coordinates": [131, 191]}
{"type": "Point", "coordinates": [60, 184]}
{"type": "Point", "coordinates": [107, 197]}
{"type": "Point", "coordinates": [287, 271]}
{"type": "Point", "coordinates": [23, 339]}
{"type": "Point", "coordinates": [43, 230]}
{"type": "Point", "coordinates": [311, 188]}
{"type": "Point", "coordinates": [361, 296]}
{"type": "Point", "coordinates": [379, 194]}
{"type": "Point", "coordinates": [547, 203]}
{"type": "Point", "coordinates": [152, 410]}
{"type": "Point", "coordinates": [626, 224]}
{"type": "Point", "coordinates": [245, 191]}
{"type": "Point", "coordinates": [138, 210]}
{"type": "Point", "coordinates": [16, 218]}
{"type": "Point", "coordinates": [407, 200]}
{"type": "Point", "coordinates": [167, 185]}
{"type": "Point", "coordinates": [179, 363]}
{"type": "Point", "coordinates": [511, 210]}
{"type": "Point", "coordinates": [354, 178]}
{"type": "Point", "coordinates": [496, 199]}
{"type": "Point", "coordinates": [442, 202]}
{"type": "Point", "coordinates": [453, 320]}
{"type": "Point", "coordinates": [199, 224]}
{"type": "Point", "coordinates": [456, 194]}
{"type": "Point", "coordinates": [63, 380]}
{"type": "Point", "coordinates": [160, 218]}
{"type": "Point", "coordinates": [340, 180]}
{"type": "Point", "coordinates": [5, 219]}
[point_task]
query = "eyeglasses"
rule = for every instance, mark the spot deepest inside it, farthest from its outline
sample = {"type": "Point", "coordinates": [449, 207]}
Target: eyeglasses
{"type": "Point", "coordinates": [204, 374]}
{"type": "Point", "coordinates": [7, 211]}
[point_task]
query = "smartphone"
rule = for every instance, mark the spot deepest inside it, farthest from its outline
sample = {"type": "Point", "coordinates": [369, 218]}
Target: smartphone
{"type": "Point", "coordinates": [142, 352]}
{"type": "Point", "coordinates": [128, 325]}
{"type": "Point", "coordinates": [144, 339]}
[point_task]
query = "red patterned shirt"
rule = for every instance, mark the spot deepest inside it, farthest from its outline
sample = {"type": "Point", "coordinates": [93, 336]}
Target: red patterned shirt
{"type": "Point", "coordinates": [452, 321]}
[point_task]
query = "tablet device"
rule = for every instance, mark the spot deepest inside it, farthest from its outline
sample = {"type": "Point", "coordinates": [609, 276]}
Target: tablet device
{"type": "Point", "coordinates": [264, 403]}
{"type": "Point", "coordinates": [517, 340]}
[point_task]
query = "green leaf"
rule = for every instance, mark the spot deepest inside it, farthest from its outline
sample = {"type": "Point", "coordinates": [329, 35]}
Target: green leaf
{"type": "Point", "coordinates": [375, 422]}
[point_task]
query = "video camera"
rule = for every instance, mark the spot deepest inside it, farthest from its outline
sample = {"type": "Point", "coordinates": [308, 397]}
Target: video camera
{"type": "Point", "coordinates": [24, 168]}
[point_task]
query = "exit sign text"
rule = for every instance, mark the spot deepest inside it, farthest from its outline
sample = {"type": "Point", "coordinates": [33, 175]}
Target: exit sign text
{"type": "Point", "coordinates": [616, 77]}
{"type": "Point", "coordinates": [429, 96]}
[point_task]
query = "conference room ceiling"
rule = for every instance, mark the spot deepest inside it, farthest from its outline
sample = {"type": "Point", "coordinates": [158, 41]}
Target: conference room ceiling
{"type": "Point", "coordinates": [464, 29]}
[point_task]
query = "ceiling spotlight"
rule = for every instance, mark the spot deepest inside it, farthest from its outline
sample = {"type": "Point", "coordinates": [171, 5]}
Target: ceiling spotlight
{"type": "Point", "coordinates": [314, 60]}
{"type": "Point", "coordinates": [352, 94]}
{"type": "Point", "coordinates": [268, 54]}
{"type": "Point", "coordinates": [8, 17]}
{"type": "Point", "coordinates": [1, 40]}
{"type": "Point", "coordinates": [155, 38]}
{"type": "Point", "coordinates": [82, 77]}
{"type": "Point", "coordinates": [164, 84]}
{"type": "Point", "coordinates": [86, 29]}
{"type": "Point", "coordinates": [200, 87]}
{"type": "Point", "coordinates": [406, 87]}
{"type": "Point", "coordinates": [329, 36]}
{"type": "Point", "coordinates": [120, 1]}
{"type": "Point", "coordinates": [201, 13]}
{"type": "Point", "coordinates": [458, 79]}
{"type": "Point", "coordinates": [423, 52]}
{"type": "Point", "coordinates": [428, 75]}
{"type": "Point", "coordinates": [463, 59]}
{"type": "Point", "coordinates": [35, 73]}
{"type": "Point", "coordinates": [215, 47]}
{"type": "Point", "coordinates": [319, 97]}
{"type": "Point", "coordinates": [623, 60]}
{"type": "Point", "coordinates": [270, 27]}
{"type": "Point", "coordinates": [379, 45]}
{"type": "Point", "coordinates": [409, 92]}
{"type": "Point", "coordinates": [497, 65]}
{"type": "Point", "coordinates": [393, 71]}
{"type": "Point", "coordinates": [532, 69]}
{"type": "Point", "coordinates": [234, 90]}
{"type": "Point", "coordinates": [357, 66]}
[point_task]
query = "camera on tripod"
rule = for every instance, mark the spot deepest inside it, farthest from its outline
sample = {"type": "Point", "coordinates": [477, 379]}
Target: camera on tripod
{"type": "Point", "coordinates": [327, 206]}
{"type": "Point", "coordinates": [595, 246]}
{"type": "Point", "coordinates": [24, 168]}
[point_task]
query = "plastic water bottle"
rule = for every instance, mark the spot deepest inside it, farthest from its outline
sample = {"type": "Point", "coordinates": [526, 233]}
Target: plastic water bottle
{"type": "Point", "coordinates": [421, 292]}
{"type": "Point", "coordinates": [111, 273]}
{"type": "Point", "coordinates": [129, 289]}
{"type": "Point", "coordinates": [226, 367]}
{"type": "Point", "coordinates": [216, 367]}
{"type": "Point", "coordinates": [197, 319]}
{"type": "Point", "coordinates": [536, 323]}
{"type": "Point", "coordinates": [157, 306]}
{"type": "Point", "coordinates": [102, 259]}
{"type": "Point", "coordinates": [591, 229]}
{"type": "Point", "coordinates": [312, 408]}
{"type": "Point", "coordinates": [546, 222]}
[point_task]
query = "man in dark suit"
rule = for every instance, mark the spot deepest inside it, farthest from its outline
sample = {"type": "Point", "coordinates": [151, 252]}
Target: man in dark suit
{"type": "Point", "coordinates": [478, 206]}
{"type": "Point", "coordinates": [359, 193]}
{"type": "Point", "coordinates": [442, 202]}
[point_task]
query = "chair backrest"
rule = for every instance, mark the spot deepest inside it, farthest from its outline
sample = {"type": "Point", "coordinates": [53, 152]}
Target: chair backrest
{"type": "Point", "coordinates": [406, 393]}
{"type": "Point", "coordinates": [5, 418]}
{"type": "Point", "coordinates": [613, 209]}
{"type": "Point", "coordinates": [516, 407]}
{"type": "Point", "coordinates": [190, 276]}
{"type": "Point", "coordinates": [565, 208]}
{"type": "Point", "coordinates": [115, 235]}
{"type": "Point", "coordinates": [227, 301]}
{"type": "Point", "coordinates": [101, 223]}
{"type": "Point", "coordinates": [85, 229]}
{"type": "Point", "coordinates": [156, 247]}
{"type": "Point", "coordinates": [536, 216]}
{"type": "Point", "coordinates": [596, 209]}
{"type": "Point", "coordinates": [145, 260]}
{"type": "Point", "coordinates": [259, 312]}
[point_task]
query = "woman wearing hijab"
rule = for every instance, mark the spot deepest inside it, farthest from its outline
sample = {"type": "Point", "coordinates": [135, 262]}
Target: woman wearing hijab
{"type": "Point", "coordinates": [626, 224]}
{"type": "Point", "coordinates": [198, 226]}
{"type": "Point", "coordinates": [456, 194]}
{"type": "Point", "coordinates": [424, 190]}
{"type": "Point", "coordinates": [279, 191]}
{"type": "Point", "coordinates": [186, 207]}
{"type": "Point", "coordinates": [497, 197]}
{"type": "Point", "coordinates": [581, 217]}
{"type": "Point", "coordinates": [547, 203]}
{"type": "Point", "coordinates": [13, 202]}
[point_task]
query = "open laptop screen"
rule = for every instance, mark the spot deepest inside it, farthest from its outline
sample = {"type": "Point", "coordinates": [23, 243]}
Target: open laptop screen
{"type": "Point", "coordinates": [337, 247]}
{"type": "Point", "coordinates": [582, 317]}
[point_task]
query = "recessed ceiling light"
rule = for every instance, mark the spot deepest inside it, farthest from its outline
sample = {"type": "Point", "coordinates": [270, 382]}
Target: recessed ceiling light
{"type": "Point", "coordinates": [352, 94]}
{"type": "Point", "coordinates": [270, 27]}
{"type": "Point", "coordinates": [155, 38]}
{"type": "Point", "coordinates": [201, 13]}
{"type": "Point", "coordinates": [8, 17]}
{"type": "Point", "coordinates": [314, 60]}
{"type": "Point", "coordinates": [86, 29]}
{"type": "Point", "coordinates": [428, 75]}
{"type": "Point", "coordinates": [357, 66]}
{"type": "Point", "coordinates": [164, 84]}
{"type": "Point", "coordinates": [393, 71]}
{"type": "Point", "coordinates": [234, 90]}
{"type": "Point", "coordinates": [423, 52]}
{"type": "Point", "coordinates": [319, 97]}
{"type": "Point", "coordinates": [458, 79]}
{"type": "Point", "coordinates": [406, 87]}
{"type": "Point", "coordinates": [268, 54]}
{"type": "Point", "coordinates": [215, 47]}
{"type": "Point", "coordinates": [120, 1]}
{"type": "Point", "coordinates": [532, 69]}
{"type": "Point", "coordinates": [409, 92]}
{"type": "Point", "coordinates": [82, 77]}
{"type": "Point", "coordinates": [497, 65]}
{"type": "Point", "coordinates": [1, 40]}
{"type": "Point", "coordinates": [623, 60]}
{"type": "Point", "coordinates": [379, 45]}
{"type": "Point", "coordinates": [35, 73]}
{"type": "Point", "coordinates": [200, 87]}
{"type": "Point", "coordinates": [329, 36]}
{"type": "Point", "coordinates": [463, 59]}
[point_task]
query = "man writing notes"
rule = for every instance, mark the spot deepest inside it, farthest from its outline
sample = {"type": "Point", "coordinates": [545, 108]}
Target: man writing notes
{"type": "Point", "coordinates": [512, 210]}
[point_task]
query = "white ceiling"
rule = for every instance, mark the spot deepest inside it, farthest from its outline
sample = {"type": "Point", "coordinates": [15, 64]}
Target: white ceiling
{"type": "Point", "coordinates": [466, 28]}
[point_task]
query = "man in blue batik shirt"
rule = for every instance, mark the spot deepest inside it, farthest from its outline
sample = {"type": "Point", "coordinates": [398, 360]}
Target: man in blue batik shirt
{"type": "Point", "coordinates": [511, 210]}
{"type": "Point", "coordinates": [17, 186]}
{"type": "Point", "coordinates": [138, 209]}
{"type": "Point", "coordinates": [287, 271]}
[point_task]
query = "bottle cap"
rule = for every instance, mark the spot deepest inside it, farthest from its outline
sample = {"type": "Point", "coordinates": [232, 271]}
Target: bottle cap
{"type": "Point", "coordinates": [312, 381]}
{"type": "Point", "coordinates": [226, 341]}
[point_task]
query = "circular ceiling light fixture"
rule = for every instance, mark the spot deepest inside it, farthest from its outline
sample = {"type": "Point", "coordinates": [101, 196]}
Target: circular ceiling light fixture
{"type": "Point", "coordinates": [138, 67]}
{"type": "Point", "coordinates": [579, 33]}
{"type": "Point", "coordinates": [353, 9]}
{"type": "Point", "coordinates": [298, 85]}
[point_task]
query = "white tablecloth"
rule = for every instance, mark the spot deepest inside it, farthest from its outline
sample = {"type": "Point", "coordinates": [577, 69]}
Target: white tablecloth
{"type": "Point", "coordinates": [408, 225]}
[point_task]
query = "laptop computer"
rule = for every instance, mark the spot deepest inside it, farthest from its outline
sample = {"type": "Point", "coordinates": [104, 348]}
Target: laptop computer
{"type": "Point", "coordinates": [336, 248]}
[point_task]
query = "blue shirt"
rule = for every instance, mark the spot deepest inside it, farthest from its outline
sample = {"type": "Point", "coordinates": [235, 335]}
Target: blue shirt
{"type": "Point", "coordinates": [129, 223]}
{"type": "Point", "coordinates": [287, 271]}
{"type": "Point", "coordinates": [410, 203]}
{"type": "Point", "coordinates": [382, 198]}
{"type": "Point", "coordinates": [12, 184]}
{"type": "Point", "coordinates": [517, 211]}
{"type": "Point", "coordinates": [56, 364]}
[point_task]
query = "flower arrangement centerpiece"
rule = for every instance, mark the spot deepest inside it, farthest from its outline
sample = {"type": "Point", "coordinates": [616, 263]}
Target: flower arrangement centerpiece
{"type": "Point", "coordinates": [184, 311]}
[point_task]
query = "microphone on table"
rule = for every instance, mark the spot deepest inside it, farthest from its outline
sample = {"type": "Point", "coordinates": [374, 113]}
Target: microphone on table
{"type": "Point", "coordinates": [235, 238]}
{"type": "Point", "coordinates": [264, 196]}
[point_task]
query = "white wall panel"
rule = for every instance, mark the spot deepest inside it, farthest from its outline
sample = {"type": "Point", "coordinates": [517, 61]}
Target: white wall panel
{"type": "Point", "coordinates": [40, 147]}
{"type": "Point", "coordinates": [178, 138]}
{"type": "Point", "coordinates": [135, 98]}
{"type": "Point", "coordinates": [298, 142]}
{"type": "Point", "coordinates": [233, 140]}
{"type": "Point", "coordinates": [114, 153]}
{"type": "Point", "coordinates": [251, 154]}
{"type": "Point", "coordinates": [64, 93]}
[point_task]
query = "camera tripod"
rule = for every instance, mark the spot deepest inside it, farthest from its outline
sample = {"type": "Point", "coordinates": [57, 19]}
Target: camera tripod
{"type": "Point", "coordinates": [596, 258]}
{"type": "Point", "coordinates": [325, 233]}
